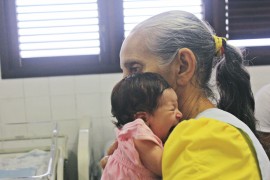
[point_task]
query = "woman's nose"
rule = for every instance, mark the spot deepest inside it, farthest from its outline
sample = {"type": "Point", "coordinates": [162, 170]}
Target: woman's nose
{"type": "Point", "coordinates": [125, 73]}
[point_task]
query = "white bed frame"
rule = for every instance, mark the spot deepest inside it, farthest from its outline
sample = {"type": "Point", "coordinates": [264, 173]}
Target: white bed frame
{"type": "Point", "coordinates": [88, 169]}
{"type": "Point", "coordinates": [55, 144]}
{"type": "Point", "coordinates": [84, 151]}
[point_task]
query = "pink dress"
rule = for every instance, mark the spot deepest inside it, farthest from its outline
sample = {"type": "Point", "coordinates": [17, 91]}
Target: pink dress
{"type": "Point", "coordinates": [125, 163]}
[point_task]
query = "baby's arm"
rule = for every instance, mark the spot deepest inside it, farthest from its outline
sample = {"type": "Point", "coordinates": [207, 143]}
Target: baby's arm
{"type": "Point", "coordinates": [150, 155]}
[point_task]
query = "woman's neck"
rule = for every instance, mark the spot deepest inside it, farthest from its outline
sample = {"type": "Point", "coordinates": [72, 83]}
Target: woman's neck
{"type": "Point", "coordinates": [192, 102]}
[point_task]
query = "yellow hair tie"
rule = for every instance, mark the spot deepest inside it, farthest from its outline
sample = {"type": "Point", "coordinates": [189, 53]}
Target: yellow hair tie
{"type": "Point", "coordinates": [219, 45]}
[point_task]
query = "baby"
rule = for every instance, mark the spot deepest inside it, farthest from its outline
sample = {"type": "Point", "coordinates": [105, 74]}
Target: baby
{"type": "Point", "coordinates": [146, 110]}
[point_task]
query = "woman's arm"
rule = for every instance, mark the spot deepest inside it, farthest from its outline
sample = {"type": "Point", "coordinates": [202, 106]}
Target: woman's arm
{"type": "Point", "coordinates": [110, 151]}
{"type": "Point", "coordinates": [150, 154]}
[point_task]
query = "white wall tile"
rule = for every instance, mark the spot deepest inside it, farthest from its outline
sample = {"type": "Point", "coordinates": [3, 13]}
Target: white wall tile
{"type": "Point", "coordinates": [38, 109]}
{"type": "Point", "coordinates": [16, 144]}
{"type": "Point", "coordinates": [89, 105]}
{"type": "Point", "coordinates": [1, 136]}
{"type": "Point", "coordinates": [97, 135]}
{"type": "Point", "coordinates": [259, 76]}
{"type": "Point", "coordinates": [106, 104]}
{"type": "Point", "coordinates": [15, 130]}
{"type": "Point", "coordinates": [108, 81]}
{"type": "Point", "coordinates": [11, 88]}
{"type": "Point", "coordinates": [13, 110]}
{"type": "Point", "coordinates": [109, 129]}
{"type": "Point", "coordinates": [87, 84]}
{"type": "Point", "coordinates": [40, 129]}
{"type": "Point", "coordinates": [70, 129]}
{"type": "Point", "coordinates": [63, 107]}
{"type": "Point", "coordinates": [34, 87]}
{"type": "Point", "coordinates": [1, 121]}
{"type": "Point", "coordinates": [1, 131]}
{"type": "Point", "coordinates": [62, 85]}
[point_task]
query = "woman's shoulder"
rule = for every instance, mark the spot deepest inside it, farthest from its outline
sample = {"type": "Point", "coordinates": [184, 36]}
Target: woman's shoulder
{"type": "Point", "coordinates": [206, 128]}
{"type": "Point", "coordinates": [213, 123]}
{"type": "Point", "coordinates": [207, 133]}
{"type": "Point", "coordinates": [198, 145]}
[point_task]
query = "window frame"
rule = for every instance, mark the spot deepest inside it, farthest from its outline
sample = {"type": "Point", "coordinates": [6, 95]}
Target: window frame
{"type": "Point", "coordinates": [215, 14]}
{"type": "Point", "coordinates": [111, 37]}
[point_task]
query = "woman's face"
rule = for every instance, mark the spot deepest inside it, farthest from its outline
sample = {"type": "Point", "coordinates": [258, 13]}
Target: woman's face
{"type": "Point", "coordinates": [135, 57]}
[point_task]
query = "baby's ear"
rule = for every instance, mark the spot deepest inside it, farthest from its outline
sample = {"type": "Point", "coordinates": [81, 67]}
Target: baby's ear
{"type": "Point", "coordinates": [142, 115]}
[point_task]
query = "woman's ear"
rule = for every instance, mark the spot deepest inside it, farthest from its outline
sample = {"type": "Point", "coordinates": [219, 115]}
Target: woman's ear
{"type": "Point", "coordinates": [186, 64]}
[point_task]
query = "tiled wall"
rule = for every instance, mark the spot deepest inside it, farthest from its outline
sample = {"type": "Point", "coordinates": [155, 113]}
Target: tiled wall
{"type": "Point", "coordinates": [259, 75]}
{"type": "Point", "coordinates": [30, 107]}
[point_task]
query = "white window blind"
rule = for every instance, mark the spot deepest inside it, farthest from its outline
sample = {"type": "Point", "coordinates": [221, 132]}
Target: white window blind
{"type": "Point", "coordinates": [136, 11]}
{"type": "Point", "coordinates": [57, 28]}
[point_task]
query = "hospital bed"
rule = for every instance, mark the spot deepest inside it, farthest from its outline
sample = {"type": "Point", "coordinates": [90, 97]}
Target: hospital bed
{"type": "Point", "coordinates": [33, 158]}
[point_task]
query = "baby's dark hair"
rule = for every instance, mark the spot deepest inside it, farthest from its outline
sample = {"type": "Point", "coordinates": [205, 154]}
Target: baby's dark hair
{"type": "Point", "coordinates": [138, 92]}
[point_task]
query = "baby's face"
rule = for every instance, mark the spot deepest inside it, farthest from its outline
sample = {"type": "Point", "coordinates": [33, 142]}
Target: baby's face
{"type": "Point", "coordinates": [166, 116]}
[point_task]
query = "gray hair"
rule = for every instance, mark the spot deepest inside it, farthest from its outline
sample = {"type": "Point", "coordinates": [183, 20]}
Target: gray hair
{"type": "Point", "coordinates": [168, 32]}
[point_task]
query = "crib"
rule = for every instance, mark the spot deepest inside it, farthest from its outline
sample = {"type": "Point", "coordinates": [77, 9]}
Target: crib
{"type": "Point", "coordinates": [33, 157]}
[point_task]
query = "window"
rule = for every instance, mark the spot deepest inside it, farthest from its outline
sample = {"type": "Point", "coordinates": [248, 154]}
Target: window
{"type": "Point", "coordinates": [51, 28]}
{"type": "Point", "coordinates": [246, 24]}
{"type": "Point", "coordinates": [69, 37]}
{"type": "Point", "coordinates": [55, 37]}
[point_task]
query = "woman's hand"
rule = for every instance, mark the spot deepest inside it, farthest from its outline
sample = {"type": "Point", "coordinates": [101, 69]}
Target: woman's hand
{"type": "Point", "coordinates": [110, 151]}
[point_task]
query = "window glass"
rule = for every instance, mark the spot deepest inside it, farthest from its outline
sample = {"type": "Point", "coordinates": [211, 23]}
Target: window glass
{"type": "Point", "coordinates": [136, 11]}
{"type": "Point", "coordinates": [57, 28]}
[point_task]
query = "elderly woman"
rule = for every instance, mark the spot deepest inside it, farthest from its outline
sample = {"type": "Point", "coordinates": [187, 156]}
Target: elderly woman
{"type": "Point", "coordinates": [214, 140]}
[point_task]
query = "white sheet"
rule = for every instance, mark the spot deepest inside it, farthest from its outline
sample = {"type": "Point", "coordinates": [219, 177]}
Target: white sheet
{"type": "Point", "coordinates": [27, 164]}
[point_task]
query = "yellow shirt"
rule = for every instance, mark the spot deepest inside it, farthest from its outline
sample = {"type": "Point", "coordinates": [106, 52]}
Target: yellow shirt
{"type": "Point", "coordinates": [209, 149]}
